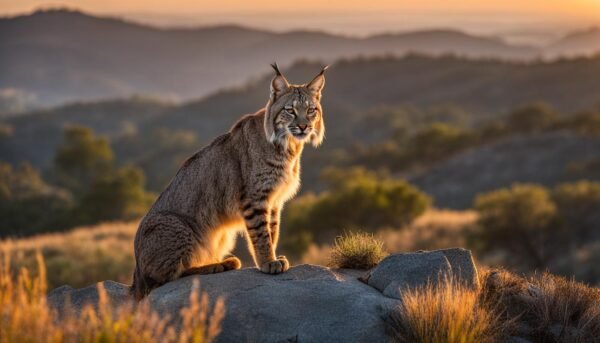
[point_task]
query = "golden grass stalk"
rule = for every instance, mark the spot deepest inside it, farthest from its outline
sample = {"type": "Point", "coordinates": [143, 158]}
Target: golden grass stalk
{"type": "Point", "coordinates": [26, 317]}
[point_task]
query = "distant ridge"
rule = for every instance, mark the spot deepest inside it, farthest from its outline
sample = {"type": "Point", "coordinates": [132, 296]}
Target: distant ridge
{"type": "Point", "coordinates": [59, 55]}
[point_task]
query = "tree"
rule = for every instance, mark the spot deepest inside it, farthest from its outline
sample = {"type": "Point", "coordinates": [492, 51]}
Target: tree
{"type": "Point", "coordinates": [438, 140]}
{"type": "Point", "coordinates": [521, 220]}
{"type": "Point", "coordinates": [116, 196]}
{"type": "Point", "coordinates": [532, 118]}
{"type": "Point", "coordinates": [28, 205]}
{"type": "Point", "coordinates": [81, 158]}
{"type": "Point", "coordinates": [579, 208]}
{"type": "Point", "coordinates": [84, 164]}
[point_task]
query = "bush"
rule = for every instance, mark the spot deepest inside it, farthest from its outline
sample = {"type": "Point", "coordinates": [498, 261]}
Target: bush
{"type": "Point", "coordinates": [522, 220]}
{"type": "Point", "coordinates": [356, 198]}
{"type": "Point", "coordinates": [437, 141]}
{"type": "Point", "coordinates": [84, 164]}
{"type": "Point", "coordinates": [28, 205]}
{"type": "Point", "coordinates": [26, 317]}
{"type": "Point", "coordinates": [579, 207]}
{"type": "Point", "coordinates": [356, 250]}
{"type": "Point", "coordinates": [117, 196]}
{"type": "Point", "coordinates": [585, 123]}
{"type": "Point", "coordinates": [81, 158]}
{"type": "Point", "coordinates": [532, 118]}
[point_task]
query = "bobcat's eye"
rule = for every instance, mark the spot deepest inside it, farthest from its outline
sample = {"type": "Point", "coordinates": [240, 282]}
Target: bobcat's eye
{"type": "Point", "coordinates": [312, 110]}
{"type": "Point", "coordinates": [290, 110]}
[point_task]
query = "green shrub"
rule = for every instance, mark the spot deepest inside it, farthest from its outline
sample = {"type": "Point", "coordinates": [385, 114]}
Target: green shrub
{"type": "Point", "coordinates": [532, 118]}
{"type": "Point", "coordinates": [356, 198]}
{"type": "Point", "coordinates": [81, 158]}
{"type": "Point", "coordinates": [521, 220]}
{"type": "Point", "coordinates": [437, 141]}
{"type": "Point", "coordinates": [579, 207]}
{"type": "Point", "coordinates": [356, 250]}
{"type": "Point", "coordinates": [586, 123]}
{"type": "Point", "coordinates": [28, 205]}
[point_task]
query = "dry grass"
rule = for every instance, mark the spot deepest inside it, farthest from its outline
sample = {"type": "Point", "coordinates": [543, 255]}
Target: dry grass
{"type": "Point", "coordinates": [79, 257]}
{"type": "Point", "coordinates": [449, 313]}
{"type": "Point", "coordinates": [356, 250]}
{"type": "Point", "coordinates": [543, 308]}
{"type": "Point", "coordinates": [550, 308]}
{"type": "Point", "coordinates": [26, 317]}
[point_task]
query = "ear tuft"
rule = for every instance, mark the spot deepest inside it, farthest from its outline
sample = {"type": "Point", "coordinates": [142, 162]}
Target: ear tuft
{"type": "Point", "coordinates": [276, 67]}
{"type": "Point", "coordinates": [279, 83]}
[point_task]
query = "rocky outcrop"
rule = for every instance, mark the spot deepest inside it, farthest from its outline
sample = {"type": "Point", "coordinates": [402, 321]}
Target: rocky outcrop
{"type": "Point", "coordinates": [410, 270]}
{"type": "Point", "coordinates": [306, 304]}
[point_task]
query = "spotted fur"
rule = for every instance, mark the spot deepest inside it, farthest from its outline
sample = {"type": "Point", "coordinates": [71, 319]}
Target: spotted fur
{"type": "Point", "coordinates": [241, 180]}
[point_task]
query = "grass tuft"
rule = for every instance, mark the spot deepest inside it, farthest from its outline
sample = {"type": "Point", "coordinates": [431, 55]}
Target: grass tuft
{"type": "Point", "coordinates": [26, 317]}
{"type": "Point", "coordinates": [356, 250]}
{"type": "Point", "coordinates": [449, 312]}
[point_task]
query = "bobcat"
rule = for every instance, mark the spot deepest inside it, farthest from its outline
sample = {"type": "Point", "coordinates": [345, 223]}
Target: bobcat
{"type": "Point", "coordinates": [243, 177]}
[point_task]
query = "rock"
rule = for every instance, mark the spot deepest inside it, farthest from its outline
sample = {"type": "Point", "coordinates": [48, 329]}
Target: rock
{"type": "Point", "coordinates": [306, 304]}
{"type": "Point", "coordinates": [66, 295]}
{"type": "Point", "coordinates": [409, 270]}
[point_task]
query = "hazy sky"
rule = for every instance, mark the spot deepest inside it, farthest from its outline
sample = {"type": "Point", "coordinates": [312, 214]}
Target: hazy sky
{"type": "Point", "coordinates": [518, 19]}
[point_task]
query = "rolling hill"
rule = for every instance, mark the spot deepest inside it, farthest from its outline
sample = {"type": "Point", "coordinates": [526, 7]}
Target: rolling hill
{"type": "Point", "coordinates": [585, 42]}
{"type": "Point", "coordinates": [55, 56]}
{"type": "Point", "coordinates": [157, 135]}
{"type": "Point", "coordinates": [542, 159]}
{"type": "Point", "coordinates": [483, 88]}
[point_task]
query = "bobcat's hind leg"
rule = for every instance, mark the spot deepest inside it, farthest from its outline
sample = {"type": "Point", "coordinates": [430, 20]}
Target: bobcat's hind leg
{"type": "Point", "coordinates": [230, 263]}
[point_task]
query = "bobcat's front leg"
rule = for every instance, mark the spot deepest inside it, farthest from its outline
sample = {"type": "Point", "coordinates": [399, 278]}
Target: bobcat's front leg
{"type": "Point", "coordinates": [256, 215]}
{"type": "Point", "coordinates": [274, 229]}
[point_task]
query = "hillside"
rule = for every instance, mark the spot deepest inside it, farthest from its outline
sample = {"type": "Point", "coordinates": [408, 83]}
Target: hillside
{"type": "Point", "coordinates": [56, 56]}
{"type": "Point", "coordinates": [478, 90]}
{"type": "Point", "coordinates": [585, 42]}
{"type": "Point", "coordinates": [543, 159]}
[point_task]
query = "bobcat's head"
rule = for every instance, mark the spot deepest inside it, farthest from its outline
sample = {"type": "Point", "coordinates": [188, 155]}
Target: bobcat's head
{"type": "Point", "coordinates": [294, 111]}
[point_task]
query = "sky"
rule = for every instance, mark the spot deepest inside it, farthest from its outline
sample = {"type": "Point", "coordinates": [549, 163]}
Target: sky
{"type": "Point", "coordinates": [513, 19]}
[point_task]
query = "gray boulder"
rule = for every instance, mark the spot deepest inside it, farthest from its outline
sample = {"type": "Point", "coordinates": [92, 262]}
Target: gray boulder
{"type": "Point", "coordinates": [410, 270]}
{"type": "Point", "coordinates": [306, 304]}
{"type": "Point", "coordinates": [63, 296]}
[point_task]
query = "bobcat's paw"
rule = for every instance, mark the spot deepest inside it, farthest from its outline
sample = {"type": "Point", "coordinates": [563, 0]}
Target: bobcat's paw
{"type": "Point", "coordinates": [284, 262]}
{"type": "Point", "coordinates": [275, 267]}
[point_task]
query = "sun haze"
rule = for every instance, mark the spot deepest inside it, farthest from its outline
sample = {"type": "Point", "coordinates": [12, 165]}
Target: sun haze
{"type": "Point", "coordinates": [583, 10]}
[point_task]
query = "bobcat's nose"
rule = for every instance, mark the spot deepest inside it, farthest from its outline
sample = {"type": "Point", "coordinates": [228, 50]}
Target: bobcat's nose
{"type": "Point", "coordinates": [302, 126]}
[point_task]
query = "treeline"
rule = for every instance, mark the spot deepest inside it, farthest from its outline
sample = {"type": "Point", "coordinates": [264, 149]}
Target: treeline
{"type": "Point", "coordinates": [83, 186]}
{"type": "Point", "coordinates": [416, 143]}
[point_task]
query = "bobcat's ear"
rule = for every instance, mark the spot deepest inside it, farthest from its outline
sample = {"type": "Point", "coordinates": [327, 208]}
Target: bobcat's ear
{"type": "Point", "coordinates": [279, 83]}
{"type": "Point", "coordinates": [317, 84]}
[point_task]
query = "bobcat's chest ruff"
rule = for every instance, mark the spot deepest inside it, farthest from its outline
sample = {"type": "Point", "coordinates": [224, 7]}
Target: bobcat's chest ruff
{"type": "Point", "coordinates": [288, 184]}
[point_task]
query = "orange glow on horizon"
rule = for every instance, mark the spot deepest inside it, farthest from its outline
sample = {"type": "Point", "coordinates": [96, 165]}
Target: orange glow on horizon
{"type": "Point", "coordinates": [571, 8]}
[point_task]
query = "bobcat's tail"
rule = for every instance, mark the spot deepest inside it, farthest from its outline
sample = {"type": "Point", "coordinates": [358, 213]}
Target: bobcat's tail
{"type": "Point", "coordinates": [141, 285]}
